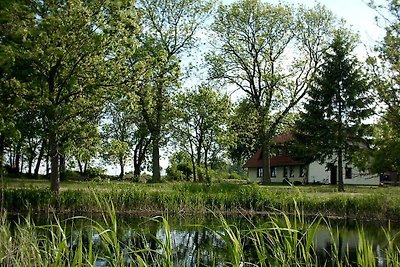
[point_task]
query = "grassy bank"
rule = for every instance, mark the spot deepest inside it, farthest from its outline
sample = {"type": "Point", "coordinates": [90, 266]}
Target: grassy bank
{"type": "Point", "coordinates": [279, 242]}
{"type": "Point", "coordinates": [359, 202]}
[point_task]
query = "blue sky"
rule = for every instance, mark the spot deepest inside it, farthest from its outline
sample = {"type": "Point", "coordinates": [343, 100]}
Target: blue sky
{"type": "Point", "coordinates": [357, 14]}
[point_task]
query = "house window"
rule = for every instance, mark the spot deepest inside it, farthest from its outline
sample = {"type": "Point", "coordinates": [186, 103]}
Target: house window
{"type": "Point", "coordinates": [285, 171]}
{"type": "Point", "coordinates": [273, 171]}
{"type": "Point", "coordinates": [260, 172]}
{"type": "Point", "coordinates": [302, 171]}
{"type": "Point", "coordinates": [291, 171]}
{"type": "Point", "coordinates": [348, 173]}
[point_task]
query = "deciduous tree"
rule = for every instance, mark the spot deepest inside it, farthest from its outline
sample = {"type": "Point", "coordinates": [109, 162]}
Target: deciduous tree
{"type": "Point", "coordinates": [269, 52]}
{"type": "Point", "coordinates": [69, 49]}
{"type": "Point", "coordinates": [169, 31]}
{"type": "Point", "coordinates": [201, 125]}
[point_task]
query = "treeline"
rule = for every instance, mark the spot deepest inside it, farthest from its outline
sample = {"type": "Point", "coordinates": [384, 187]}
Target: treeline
{"type": "Point", "coordinates": [83, 80]}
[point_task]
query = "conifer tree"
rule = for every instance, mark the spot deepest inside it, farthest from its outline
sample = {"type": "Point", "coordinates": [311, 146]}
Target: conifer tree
{"type": "Point", "coordinates": [332, 122]}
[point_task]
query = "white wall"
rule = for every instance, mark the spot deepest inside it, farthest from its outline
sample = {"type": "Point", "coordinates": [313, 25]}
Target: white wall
{"type": "Point", "coordinates": [319, 173]}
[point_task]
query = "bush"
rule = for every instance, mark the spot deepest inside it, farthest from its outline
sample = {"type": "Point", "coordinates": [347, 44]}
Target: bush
{"type": "Point", "coordinates": [95, 172]}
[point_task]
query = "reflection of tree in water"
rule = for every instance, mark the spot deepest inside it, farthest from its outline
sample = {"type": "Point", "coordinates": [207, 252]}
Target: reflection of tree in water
{"type": "Point", "coordinates": [199, 244]}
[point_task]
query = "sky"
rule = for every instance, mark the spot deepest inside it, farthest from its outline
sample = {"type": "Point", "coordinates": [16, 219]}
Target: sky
{"type": "Point", "coordinates": [357, 14]}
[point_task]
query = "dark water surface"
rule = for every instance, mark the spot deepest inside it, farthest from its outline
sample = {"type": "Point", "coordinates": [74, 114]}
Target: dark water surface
{"type": "Point", "coordinates": [196, 240]}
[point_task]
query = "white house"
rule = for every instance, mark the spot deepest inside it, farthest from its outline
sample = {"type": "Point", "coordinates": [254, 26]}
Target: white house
{"type": "Point", "coordinates": [283, 167]}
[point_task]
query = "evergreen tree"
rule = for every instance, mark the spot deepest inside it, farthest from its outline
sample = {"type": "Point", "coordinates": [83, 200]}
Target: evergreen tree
{"type": "Point", "coordinates": [332, 122]}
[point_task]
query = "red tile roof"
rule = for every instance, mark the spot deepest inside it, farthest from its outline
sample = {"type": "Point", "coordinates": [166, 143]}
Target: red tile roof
{"type": "Point", "coordinates": [283, 138]}
{"type": "Point", "coordinates": [282, 160]}
{"type": "Point", "coordinates": [256, 161]}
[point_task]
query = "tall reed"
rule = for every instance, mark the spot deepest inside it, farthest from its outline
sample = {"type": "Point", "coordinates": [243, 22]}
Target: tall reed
{"type": "Point", "coordinates": [280, 241]}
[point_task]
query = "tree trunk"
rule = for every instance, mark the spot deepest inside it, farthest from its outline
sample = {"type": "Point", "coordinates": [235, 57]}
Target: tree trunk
{"type": "Point", "coordinates": [2, 145]}
{"type": "Point", "coordinates": [340, 171]}
{"type": "Point", "coordinates": [30, 164]}
{"type": "Point", "coordinates": [54, 161]}
{"type": "Point", "coordinates": [39, 159]}
{"type": "Point", "coordinates": [156, 158]}
{"type": "Point", "coordinates": [266, 179]}
{"type": "Point", "coordinates": [17, 158]}
{"type": "Point", "coordinates": [80, 166]}
{"type": "Point", "coordinates": [47, 162]}
{"type": "Point", "coordinates": [139, 156]}
{"type": "Point", "coordinates": [62, 166]}
{"type": "Point", "coordinates": [122, 168]}
{"type": "Point", "coordinates": [340, 137]}
{"type": "Point", "coordinates": [206, 165]}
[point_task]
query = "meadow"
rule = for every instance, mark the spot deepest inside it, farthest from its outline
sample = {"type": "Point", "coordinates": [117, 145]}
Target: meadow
{"type": "Point", "coordinates": [361, 202]}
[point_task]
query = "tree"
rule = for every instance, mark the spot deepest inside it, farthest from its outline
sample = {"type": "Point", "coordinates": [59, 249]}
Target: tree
{"type": "Point", "coordinates": [243, 124]}
{"type": "Point", "coordinates": [69, 49]}
{"type": "Point", "coordinates": [386, 153]}
{"type": "Point", "coordinates": [11, 88]}
{"type": "Point", "coordinates": [125, 133]}
{"type": "Point", "coordinates": [170, 29]}
{"type": "Point", "coordinates": [253, 42]}
{"type": "Point", "coordinates": [339, 101]}
{"type": "Point", "coordinates": [201, 125]}
{"type": "Point", "coordinates": [386, 68]}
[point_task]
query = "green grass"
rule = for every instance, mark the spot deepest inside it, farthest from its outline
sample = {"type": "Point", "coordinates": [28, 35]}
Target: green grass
{"type": "Point", "coordinates": [21, 195]}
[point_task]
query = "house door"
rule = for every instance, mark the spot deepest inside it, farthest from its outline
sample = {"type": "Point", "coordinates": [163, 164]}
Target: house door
{"type": "Point", "coordinates": [333, 169]}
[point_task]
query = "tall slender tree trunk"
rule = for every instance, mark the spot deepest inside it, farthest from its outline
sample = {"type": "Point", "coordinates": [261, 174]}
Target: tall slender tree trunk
{"type": "Point", "coordinates": [192, 159]}
{"type": "Point", "coordinates": [340, 170]}
{"type": "Point", "coordinates": [48, 163]}
{"type": "Point", "coordinates": [39, 159]}
{"type": "Point", "coordinates": [266, 149]}
{"type": "Point", "coordinates": [156, 157]}
{"type": "Point", "coordinates": [62, 167]}
{"type": "Point", "coordinates": [340, 136]}
{"type": "Point", "coordinates": [2, 145]}
{"type": "Point", "coordinates": [206, 165]}
{"type": "Point", "coordinates": [18, 158]}
{"type": "Point", "coordinates": [54, 162]}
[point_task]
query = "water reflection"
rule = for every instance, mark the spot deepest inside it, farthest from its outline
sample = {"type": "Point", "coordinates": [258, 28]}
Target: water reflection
{"type": "Point", "coordinates": [198, 241]}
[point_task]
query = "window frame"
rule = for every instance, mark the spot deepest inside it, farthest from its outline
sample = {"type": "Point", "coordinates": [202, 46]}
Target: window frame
{"type": "Point", "coordinates": [273, 171]}
{"type": "Point", "coordinates": [260, 172]}
{"type": "Point", "coordinates": [348, 173]}
{"type": "Point", "coordinates": [303, 171]}
{"type": "Point", "coordinates": [285, 171]}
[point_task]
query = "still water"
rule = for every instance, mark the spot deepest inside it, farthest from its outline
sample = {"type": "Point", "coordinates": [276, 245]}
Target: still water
{"type": "Point", "coordinates": [199, 240]}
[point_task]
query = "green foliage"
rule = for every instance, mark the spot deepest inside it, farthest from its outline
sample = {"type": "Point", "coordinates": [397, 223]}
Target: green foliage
{"type": "Point", "coordinates": [95, 172]}
{"type": "Point", "coordinates": [200, 126]}
{"type": "Point", "coordinates": [386, 72]}
{"type": "Point", "coordinates": [339, 100]}
{"type": "Point", "coordinates": [65, 51]}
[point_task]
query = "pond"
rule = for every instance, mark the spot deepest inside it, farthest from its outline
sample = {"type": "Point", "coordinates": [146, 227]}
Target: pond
{"type": "Point", "coordinates": [216, 240]}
